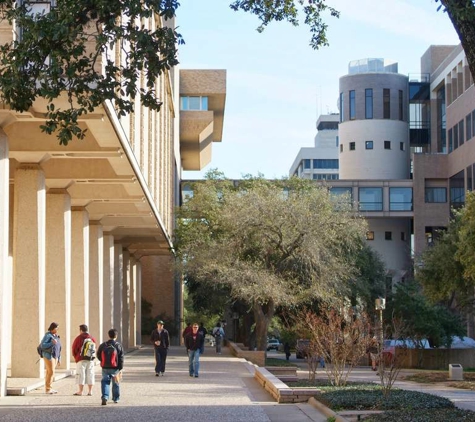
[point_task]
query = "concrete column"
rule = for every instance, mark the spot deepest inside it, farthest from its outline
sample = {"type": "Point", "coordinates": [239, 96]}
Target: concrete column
{"type": "Point", "coordinates": [58, 267]}
{"type": "Point", "coordinates": [28, 270]}
{"type": "Point", "coordinates": [108, 285]}
{"type": "Point", "coordinates": [126, 300]}
{"type": "Point", "coordinates": [79, 268]}
{"type": "Point", "coordinates": [96, 273]}
{"type": "Point", "coordinates": [118, 281]}
{"type": "Point", "coordinates": [5, 279]}
{"type": "Point", "coordinates": [132, 302]}
{"type": "Point", "coordinates": [138, 303]}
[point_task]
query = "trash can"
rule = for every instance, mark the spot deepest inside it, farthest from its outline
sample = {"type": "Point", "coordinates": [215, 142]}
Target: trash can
{"type": "Point", "coordinates": [455, 372]}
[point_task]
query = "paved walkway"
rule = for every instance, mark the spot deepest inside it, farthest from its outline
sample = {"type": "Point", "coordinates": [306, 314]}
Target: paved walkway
{"type": "Point", "coordinates": [225, 391]}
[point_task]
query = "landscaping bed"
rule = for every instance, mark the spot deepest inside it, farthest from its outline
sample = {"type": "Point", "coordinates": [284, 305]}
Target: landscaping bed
{"type": "Point", "coordinates": [279, 362]}
{"type": "Point", "coordinates": [431, 377]}
{"type": "Point", "coordinates": [399, 405]}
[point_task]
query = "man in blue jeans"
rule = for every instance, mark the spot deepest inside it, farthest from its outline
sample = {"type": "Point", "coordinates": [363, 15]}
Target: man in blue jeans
{"type": "Point", "coordinates": [111, 356]}
{"type": "Point", "coordinates": [195, 343]}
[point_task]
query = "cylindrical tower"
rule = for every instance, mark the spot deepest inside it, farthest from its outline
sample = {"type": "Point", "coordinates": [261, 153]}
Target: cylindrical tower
{"type": "Point", "coordinates": [374, 129]}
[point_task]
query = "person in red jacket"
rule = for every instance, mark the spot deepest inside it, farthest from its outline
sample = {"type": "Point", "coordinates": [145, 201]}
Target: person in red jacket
{"type": "Point", "coordinates": [84, 347]}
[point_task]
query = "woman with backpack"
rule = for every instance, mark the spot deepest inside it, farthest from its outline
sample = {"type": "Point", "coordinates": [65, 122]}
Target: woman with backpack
{"type": "Point", "coordinates": [51, 352]}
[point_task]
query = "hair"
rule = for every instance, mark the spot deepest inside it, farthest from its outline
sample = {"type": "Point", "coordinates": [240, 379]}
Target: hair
{"type": "Point", "coordinates": [84, 328]}
{"type": "Point", "coordinates": [52, 326]}
{"type": "Point", "coordinates": [112, 333]}
{"type": "Point", "coordinates": [195, 324]}
{"type": "Point", "coordinates": [218, 324]}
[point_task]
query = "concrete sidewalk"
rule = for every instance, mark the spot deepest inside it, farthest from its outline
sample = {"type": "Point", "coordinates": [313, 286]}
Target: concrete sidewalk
{"type": "Point", "coordinates": [225, 391]}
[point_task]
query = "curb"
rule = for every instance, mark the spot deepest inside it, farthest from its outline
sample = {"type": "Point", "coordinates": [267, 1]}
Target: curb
{"type": "Point", "coordinates": [325, 410]}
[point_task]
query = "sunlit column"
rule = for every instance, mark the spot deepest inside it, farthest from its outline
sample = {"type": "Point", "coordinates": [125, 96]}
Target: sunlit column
{"type": "Point", "coordinates": [108, 285]}
{"type": "Point", "coordinates": [126, 300]}
{"type": "Point", "coordinates": [118, 279]}
{"type": "Point", "coordinates": [58, 267]}
{"type": "Point", "coordinates": [96, 273]}
{"type": "Point", "coordinates": [28, 270]}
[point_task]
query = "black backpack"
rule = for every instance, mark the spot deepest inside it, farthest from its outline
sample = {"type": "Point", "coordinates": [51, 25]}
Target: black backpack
{"type": "Point", "coordinates": [109, 356]}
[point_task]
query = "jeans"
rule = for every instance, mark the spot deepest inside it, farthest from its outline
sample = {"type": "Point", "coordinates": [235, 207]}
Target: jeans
{"type": "Point", "coordinates": [194, 361]}
{"type": "Point", "coordinates": [160, 359]}
{"type": "Point", "coordinates": [107, 378]}
{"type": "Point", "coordinates": [219, 341]}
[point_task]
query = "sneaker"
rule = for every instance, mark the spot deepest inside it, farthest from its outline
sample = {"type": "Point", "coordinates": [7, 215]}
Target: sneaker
{"type": "Point", "coordinates": [157, 374]}
{"type": "Point", "coordinates": [116, 401]}
{"type": "Point", "coordinates": [104, 402]}
{"type": "Point", "coordinates": [196, 376]}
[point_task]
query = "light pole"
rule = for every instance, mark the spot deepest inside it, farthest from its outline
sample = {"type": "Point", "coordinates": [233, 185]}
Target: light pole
{"type": "Point", "coordinates": [380, 305]}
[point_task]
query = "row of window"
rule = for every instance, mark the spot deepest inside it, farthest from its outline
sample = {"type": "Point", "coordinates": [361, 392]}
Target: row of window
{"type": "Point", "coordinates": [320, 163]}
{"type": "Point", "coordinates": [387, 235]}
{"type": "Point", "coordinates": [371, 199]}
{"type": "Point", "coordinates": [369, 104]}
{"type": "Point", "coordinates": [457, 134]}
{"type": "Point", "coordinates": [370, 145]}
{"type": "Point", "coordinates": [325, 176]}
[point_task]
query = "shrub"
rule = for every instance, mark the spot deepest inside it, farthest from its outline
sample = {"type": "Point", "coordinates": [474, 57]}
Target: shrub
{"type": "Point", "coordinates": [367, 397]}
{"type": "Point", "coordinates": [278, 362]}
{"type": "Point", "coordinates": [431, 415]}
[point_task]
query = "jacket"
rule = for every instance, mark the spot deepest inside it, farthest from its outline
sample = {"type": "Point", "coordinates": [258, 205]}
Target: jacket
{"type": "Point", "coordinates": [195, 343]}
{"type": "Point", "coordinates": [120, 354]}
{"type": "Point", "coordinates": [51, 350]}
{"type": "Point", "coordinates": [77, 345]}
{"type": "Point", "coordinates": [163, 336]}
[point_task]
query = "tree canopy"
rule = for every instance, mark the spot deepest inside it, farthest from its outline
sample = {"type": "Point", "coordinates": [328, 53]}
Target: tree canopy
{"type": "Point", "coordinates": [56, 52]}
{"type": "Point", "coordinates": [273, 243]}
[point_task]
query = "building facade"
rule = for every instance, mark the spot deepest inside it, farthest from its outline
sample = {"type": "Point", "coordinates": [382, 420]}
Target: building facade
{"type": "Point", "coordinates": [405, 153]}
{"type": "Point", "coordinates": [86, 230]}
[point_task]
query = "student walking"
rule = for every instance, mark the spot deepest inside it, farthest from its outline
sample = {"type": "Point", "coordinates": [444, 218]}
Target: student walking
{"type": "Point", "coordinates": [51, 348]}
{"type": "Point", "coordinates": [111, 356]}
{"type": "Point", "coordinates": [195, 343]}
{"type": "Point", "coordinates": [161, 342]}
{"type": "Point", "coordinates": [84, 352]}
{"type": "Point", "coordinates": [218, 334]}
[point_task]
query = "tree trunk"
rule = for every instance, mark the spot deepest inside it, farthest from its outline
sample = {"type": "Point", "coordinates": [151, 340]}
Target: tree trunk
{"type": "Point", "coordinates": [462, 15]}
{"type": "Point", "coordinates": [262, 315]}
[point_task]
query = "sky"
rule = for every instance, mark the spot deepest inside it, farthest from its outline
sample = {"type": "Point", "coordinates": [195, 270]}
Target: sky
{"type": "Point", "coordinates": [277, 85]}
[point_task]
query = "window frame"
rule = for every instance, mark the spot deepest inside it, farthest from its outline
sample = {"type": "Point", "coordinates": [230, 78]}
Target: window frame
{"type": "Point", "coordinates": [368, 103]}
{"type": "Point", "coordinates": [369, 145]}
{"type": "Point", "coordinates": [352, 146]}
{"type": "Point", "coordinates": [387, 145]}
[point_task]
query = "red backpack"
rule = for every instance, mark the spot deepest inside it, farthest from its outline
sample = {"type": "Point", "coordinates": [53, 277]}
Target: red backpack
{"type": "Point", "coordinates": [109, 356]}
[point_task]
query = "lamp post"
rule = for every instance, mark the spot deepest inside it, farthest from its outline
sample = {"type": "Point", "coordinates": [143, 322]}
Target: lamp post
{"type": "Point", "coordinates": [380, 305]}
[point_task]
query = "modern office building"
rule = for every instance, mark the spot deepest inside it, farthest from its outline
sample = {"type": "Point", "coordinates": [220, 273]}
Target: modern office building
{"type": "Point", "coordinates": [405, 150]}
{"type": "Point", "coordinates": [86, 230]}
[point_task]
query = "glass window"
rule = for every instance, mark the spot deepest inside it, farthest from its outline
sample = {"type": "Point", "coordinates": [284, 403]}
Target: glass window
{"type": "Point", "coordinates": [401, 107]}
{"type": "Point", "coordinates": [352, 146]}
{"type": "Point", "coordinates": [387, 144]}
{"type": "Point", "coordinates": [468, 125]}
{"type": "Point", "coordinates": [306, 164]}
{"type": "Point", "coordinates": [457, 190]}
{"type": "Point", "coordinates": [342, 191]}
{"type": "Point", "coordinates": [386, 104]}
{"type": "Point", "coordinates": [369, 144]}
{"type": "Point", "coordinates": [402, 147]}
{"type": "Point", "coordinates": [369, 235]}
{"type": "Point", "coordinates": [369, 103]}
{"type": "Point", "coordinates": [400, 199]}
{"type": "Point", "coordinates": [194, 103]}
{"type": "Point", "coordinates": [328, 163]}
{"type": "Point", "coordinates": [341, 147]}
{"type": "Point", "coordinates": [337, 140]}
{"type": "Point", "coordinates": [461, 133]}
{"type": "Point", "coordinates": [451, 141]}
{"type": "Point", "coordinates": [352, 105]}
{"type": "Point", "coordinates": [473, 123]}
{"type": "Point", "coordinates": [435, 195]}
{"type": "Point", "coordinates": [403, 236]}
{"type": "Point", "coordinates": [370, 199]}
{"type": "Point", "coordinates": [469, 178]}
{"type": "Point", "coordinates": [341, 107]}
{"type": "Point", "coordinates": [456, 137]}
{"type": "Point", "coordinates": [388, 235]}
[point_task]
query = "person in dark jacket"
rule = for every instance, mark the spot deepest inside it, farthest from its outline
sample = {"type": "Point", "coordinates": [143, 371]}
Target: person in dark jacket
{"type": "Point", "coordinates": [51, 347]}
{"type": "Point", "coordinates": [161, 342]}
{"type": "Point", "coordinates": [111, 371]}
{"type": "Point", "coordinates": [195, 343]}
{"type": "Point", "coordinates": [84, 364]}
{"type": "Point", "coordinates": [287, 350]}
